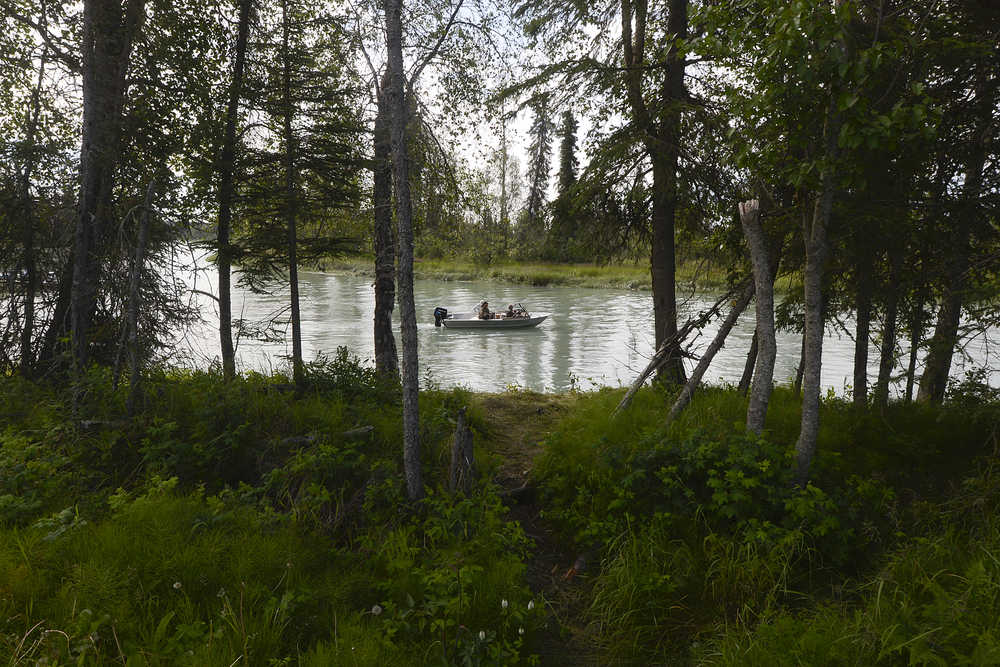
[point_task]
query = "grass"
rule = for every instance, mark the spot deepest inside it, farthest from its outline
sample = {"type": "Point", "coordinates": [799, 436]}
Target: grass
{"type": "Point", "coordinates": [708, 553]}
{"type": "Point", "coordinates": [236, 522]}
{"type": "Point", "coordinates": [634, 276]}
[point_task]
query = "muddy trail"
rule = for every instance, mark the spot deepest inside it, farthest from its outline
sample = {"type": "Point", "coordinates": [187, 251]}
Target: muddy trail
{"type": "Point", "coordinates": [516, 425]}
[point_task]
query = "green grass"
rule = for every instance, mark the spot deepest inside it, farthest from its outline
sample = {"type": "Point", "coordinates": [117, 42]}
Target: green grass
{"type": "Point", "coordinates": [934, 601]}
{"type": "Point", "coordinates": [703, 539]}
{"type": "Point", "coordinates": [633, 276]}
{"type": "Point", "coordinates": [236, 522]}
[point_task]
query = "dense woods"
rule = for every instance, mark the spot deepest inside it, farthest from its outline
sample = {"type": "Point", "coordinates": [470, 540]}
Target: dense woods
{"type": "Point", "coordinates": [847, 149]}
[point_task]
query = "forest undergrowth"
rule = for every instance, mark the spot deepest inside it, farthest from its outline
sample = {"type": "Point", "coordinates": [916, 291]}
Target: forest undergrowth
{"type": "Point", "coordinates": [245, 521]}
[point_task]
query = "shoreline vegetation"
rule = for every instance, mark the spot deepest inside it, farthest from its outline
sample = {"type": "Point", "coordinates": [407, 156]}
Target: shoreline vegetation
{"type": "Point", "coordinates": [242, 518]}
{"type": "Point", "coordinates": [700, 275]}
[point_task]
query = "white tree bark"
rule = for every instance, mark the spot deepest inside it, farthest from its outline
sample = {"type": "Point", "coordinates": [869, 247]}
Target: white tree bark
{"type": "Point", "coordinates": [767, 348]}
{"type": "Point", "coordinates": [404, 266]}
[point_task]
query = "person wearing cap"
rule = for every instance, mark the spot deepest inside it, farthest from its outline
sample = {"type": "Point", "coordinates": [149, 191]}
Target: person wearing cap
{"type": "Point", "coordinates": [484, 311]}
{"type": "Point", "coordinates": [510, 311]}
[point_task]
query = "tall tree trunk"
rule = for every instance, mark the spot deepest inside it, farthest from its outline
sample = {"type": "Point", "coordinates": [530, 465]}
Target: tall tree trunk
{"type": "Point", "coordinates": [404, 218]}
{"type": "Point", "coordinates": [291, 198]}
{"type": "Point", "coordinates": [862, 333]}
{"type": "Point", "coordinates": [744, 385]}
{"type": "Point", "coordinates": [226, 173]}
{"type": "Point", "coordinates": [108, 33]}
{"type": "Point", "coordinates": [661, 140]}
{"type": "Point", "coordinates": [663, 260]}
{"type": "Point", "coordinates": [762, 260]}
{"type": "Point", "coordinates": [887, 353]}
{"type": "Point", "coordinates": [916, 335]}
{"type": "Point", "coordinates": [132, 319]}
{"type": "Point", "coordinates": [937, 365]}
{"type": "Point", "coordinates": [815, 235]}
{"type": "Point", "coordinates": [663, 267]}
{"type": "Point", "coordinates": [27, 217]}
{"type": "Point", "coordinates": [386, 358]}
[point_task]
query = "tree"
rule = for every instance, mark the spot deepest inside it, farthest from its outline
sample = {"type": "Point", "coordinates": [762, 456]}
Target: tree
{"type": "Point", "coordinates": [386, 356]}
{"type": "Point", "coordinates": [567, 151]}
{"type": "Point", "coordinates": [303, 167]}
{"type": "Point", "coordinates": [764, 261]}
{"type": "Point", "coordinates": [539, 157]}
{"type": "Point", "coordinates": [226, 169]}
{"type": "Point", "coordinates": [404, 267]}
{"type": "Point", "coordinates": [966, 220]}
{"type": "Point", "coordinates": [650, 76]}
{"type": "Point", "coordinates": [109, 31]}
{"type": "Point", "coordinates": [563, 242]}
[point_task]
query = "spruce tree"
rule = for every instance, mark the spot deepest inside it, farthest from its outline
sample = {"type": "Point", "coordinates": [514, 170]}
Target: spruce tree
{"type": "Point", "coordinates": [539, 166]}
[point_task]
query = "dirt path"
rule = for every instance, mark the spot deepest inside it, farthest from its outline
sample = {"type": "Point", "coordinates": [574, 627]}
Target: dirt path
{"type": "Point", "coordinates": [517, 423]}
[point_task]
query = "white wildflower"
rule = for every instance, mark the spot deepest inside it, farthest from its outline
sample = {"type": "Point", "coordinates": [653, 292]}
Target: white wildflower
{"type": "Point", "coordinates": [376, 610]}
{"type": "Point", "coordinates": [482, 635]}
{"type": "Point", "coordinates": [177, 585]}
{"type": "Point", "coordinates": [531, 605]}
{"type": "Point", "coordinates": [503, 603]}
{"type": "Point", "coordinates": [520, 631]}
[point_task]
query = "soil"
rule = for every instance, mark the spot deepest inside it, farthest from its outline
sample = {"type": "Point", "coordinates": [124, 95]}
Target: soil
{"type": "Point", "coordinates": [516, 426]}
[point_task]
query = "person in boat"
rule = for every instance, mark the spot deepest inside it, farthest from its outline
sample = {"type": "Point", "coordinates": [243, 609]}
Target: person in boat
{"type": "Point", "coordinates": [510, 311]}
{"type": "Point", "coordinates": [483, 312]}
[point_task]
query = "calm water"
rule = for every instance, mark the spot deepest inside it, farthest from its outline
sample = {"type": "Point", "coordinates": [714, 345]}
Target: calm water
{"type": "Point", "coordinates": [593, 337]}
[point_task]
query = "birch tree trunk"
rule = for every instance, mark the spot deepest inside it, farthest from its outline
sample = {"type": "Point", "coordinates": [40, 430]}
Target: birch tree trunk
{"type": "Point", "coordinates": [706, 359]}
{"type": "Point", "coordinates": [815, 235]}
{"type": "Point", "coordinates": [404, 218]}
{"type": "Point", "coordinates": [767, 346]}
{"type": "Point", "coordinates": [744, 385]}
{"type": "Point", "coordinates": [226, 172]}
{"type": "Point", "coordinates": [108, 33]}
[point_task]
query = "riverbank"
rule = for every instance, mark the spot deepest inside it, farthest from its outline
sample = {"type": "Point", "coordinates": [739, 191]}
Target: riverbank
{"type": "Point", "coordinates": [241, 521]}
{"type": "Point", "coordinates": [701, 275]}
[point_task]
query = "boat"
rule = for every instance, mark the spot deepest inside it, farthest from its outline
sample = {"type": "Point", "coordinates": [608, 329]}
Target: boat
{"type": "Point", "coordinates": [521, 320]}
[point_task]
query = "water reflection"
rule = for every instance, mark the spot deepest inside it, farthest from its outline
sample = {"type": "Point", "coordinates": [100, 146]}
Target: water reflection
{"type": "Point", "coordinates": [594, 337]}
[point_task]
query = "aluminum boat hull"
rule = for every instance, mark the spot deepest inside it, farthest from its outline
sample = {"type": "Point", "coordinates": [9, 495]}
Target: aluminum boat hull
{"type": "Point", "coordinates": [476, 323]}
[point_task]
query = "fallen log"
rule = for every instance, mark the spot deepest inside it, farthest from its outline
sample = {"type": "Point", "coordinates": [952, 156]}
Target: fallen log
{"type": "Point", "coordinates": [671, 347]}
{"type": "Point", "coordinates": [706, 359]}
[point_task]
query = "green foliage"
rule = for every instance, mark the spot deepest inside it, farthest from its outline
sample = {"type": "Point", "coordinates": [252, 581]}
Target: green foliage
{"type": "Point", "coordinates": [247, 522]}
{"type": "Point", "coordinates": [699, 526]}
{"type": "Point", "coordinates": [448, 574]}
{"type": "Point", "coordinates": [933, 603]}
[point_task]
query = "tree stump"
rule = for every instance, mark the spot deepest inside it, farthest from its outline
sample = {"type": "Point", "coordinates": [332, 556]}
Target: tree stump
{"type": "Point", "coordinates": [463, 464]}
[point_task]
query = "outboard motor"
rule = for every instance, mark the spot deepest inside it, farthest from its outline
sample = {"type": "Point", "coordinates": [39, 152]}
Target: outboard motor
{"type": "Point", "coordinates": [440, 314]}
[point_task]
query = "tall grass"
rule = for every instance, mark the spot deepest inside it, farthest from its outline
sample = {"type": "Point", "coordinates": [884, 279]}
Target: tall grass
{"type": "Point", "coordinates": [242, 522]}
{"type": "Point", "coordinates": [702, 535]}
{"type": "Point", "coordinates": [632, 275]}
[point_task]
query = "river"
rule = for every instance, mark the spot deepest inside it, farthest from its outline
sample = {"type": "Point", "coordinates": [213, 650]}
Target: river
{"type": "Point", "coordinates": [593, 337]}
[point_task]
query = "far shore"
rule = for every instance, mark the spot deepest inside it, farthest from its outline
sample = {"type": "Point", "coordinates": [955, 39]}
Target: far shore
{"type": "Point", "coordinates": [701, 275]}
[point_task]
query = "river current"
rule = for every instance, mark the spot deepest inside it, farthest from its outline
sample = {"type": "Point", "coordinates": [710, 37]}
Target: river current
{"type": "Point", "coordinates": [593, 337]}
